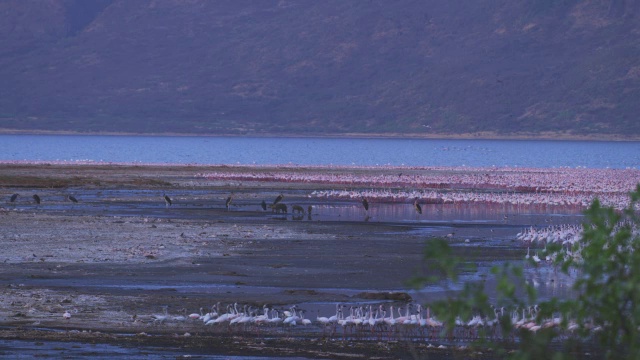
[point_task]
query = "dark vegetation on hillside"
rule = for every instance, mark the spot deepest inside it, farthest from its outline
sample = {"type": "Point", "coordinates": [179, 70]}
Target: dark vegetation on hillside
{"type": "Point", "coordinates": [524, 67]}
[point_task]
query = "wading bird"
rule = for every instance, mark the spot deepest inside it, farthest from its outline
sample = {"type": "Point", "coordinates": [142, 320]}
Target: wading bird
{"type": "Point", "coordinates": [417, 206]}
{"type": "Point", "coordinates": [228, 202]}
{"type": "Point", "coordinates": [263, 204]}
{"type": "Point", "coordinates": [36, 198]}
{"type": "Point", "coordinates": [13, 197]}
{"type": "Point", "coordinates": [365, 203]}
{"type": "Point", "coordinates": [67, 317]}
{"type": "Point", "coordinates": [167, 200]}
{"type": "Point", "coordinates": [278, 199]}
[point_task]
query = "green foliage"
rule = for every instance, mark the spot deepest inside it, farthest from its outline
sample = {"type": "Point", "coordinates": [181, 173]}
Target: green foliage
{"type": "Point", "coordinates": [605, 315]}
{"type": "Point", "coordinates": [609, 282]}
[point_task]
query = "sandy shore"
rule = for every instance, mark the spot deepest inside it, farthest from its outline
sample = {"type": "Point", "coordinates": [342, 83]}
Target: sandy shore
{"type": "Point", "coordinates": [561, 136]}
{"type": "Point", "coordinates": [120, 255]}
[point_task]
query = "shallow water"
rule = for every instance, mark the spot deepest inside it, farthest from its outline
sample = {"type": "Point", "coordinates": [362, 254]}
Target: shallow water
{"type": "Point", "coordinates": [472, 227]}
{"type": "Point", "coordinates": [200, 204]}
{"type": "Point", "coordinates": [19, 349]}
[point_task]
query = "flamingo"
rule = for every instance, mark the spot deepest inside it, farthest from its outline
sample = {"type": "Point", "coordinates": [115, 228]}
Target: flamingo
{"type": "Point", "coordinates": [275, 319]}
{"type": "Point", "coordinates": [322, 320]}
{"type": "Point", "coordinates": [264, 318]}
{"type": "Point", "coordinates": [371, 321]}
{"type": "Point", "coordinates": [228, 316]}
{"type": "Point", "coordinates": [535, 258]}
{"type": "Point", "coordinates": [180, 317]}
{"type": "Point", "coordinates": [403, 319]}
{"type": "Point", "coordinates": [292, 318]}
{"type": "Point", "coordinates": [196, 316]}
{"type": "Point", "coordinates": [303, 320]}
{"type": "Point", "coordinates": [390, 321]}
{"type": "Point", "coordinates": [161, 318]}
{"type": "Point", "coordinates": [67, 317]}
{"type": "Point", "coordinates": [334, 318]}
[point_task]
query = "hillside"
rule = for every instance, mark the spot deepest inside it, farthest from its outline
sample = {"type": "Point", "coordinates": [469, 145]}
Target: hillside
{"type": "Point", "coordinates": [413, 67]}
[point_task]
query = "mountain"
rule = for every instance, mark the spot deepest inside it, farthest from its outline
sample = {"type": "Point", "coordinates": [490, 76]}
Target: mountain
{"type": "Point", "coordinates": [558, 68]}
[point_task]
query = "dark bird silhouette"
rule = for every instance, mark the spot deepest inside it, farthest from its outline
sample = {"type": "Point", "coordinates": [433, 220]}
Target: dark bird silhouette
{"type": "Point", "coordinates": [263, 204]}
{"type": "Point", "coordinates": [228, 202]}
{"type": "Point", "coordinates": [13, 197]}
{"type": "Point", "coordinates": [167, 200]}
{"type": "Point", "coordinates": [36, 198]}
{"type": "Point", "coordinates": [365, 203]}
{"type": "Point", "coordinates": [278, 199]}
{"type": "Point", "coordinates": [72, 198]}
{"type": "Point", "coordinates": [417, 206]}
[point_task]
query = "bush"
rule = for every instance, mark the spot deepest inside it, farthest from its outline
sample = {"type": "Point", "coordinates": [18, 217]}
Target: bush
{"type": "Point", "coordinates": [604, 316]}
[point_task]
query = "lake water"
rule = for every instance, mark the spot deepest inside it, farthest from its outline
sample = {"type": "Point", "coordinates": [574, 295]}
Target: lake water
{"type": "Point", "coordinates": [19, 349]}
{"type": "Point", "coordinates": [319, 151]}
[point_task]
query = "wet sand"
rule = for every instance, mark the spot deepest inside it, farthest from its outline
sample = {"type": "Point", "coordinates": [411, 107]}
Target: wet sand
{"type": "Point", "coordinates": [120, 255]}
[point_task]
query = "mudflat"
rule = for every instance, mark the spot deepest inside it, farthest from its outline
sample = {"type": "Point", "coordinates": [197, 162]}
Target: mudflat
{"type": "Point", "coordinates": [126, 267]}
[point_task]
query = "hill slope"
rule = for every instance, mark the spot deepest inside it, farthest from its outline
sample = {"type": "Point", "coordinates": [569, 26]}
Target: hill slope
{"type": "Point", "coordinates": [322, 67]}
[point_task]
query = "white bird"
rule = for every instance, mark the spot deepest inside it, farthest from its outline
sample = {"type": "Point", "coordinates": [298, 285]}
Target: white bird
{"type": "Point", "coordinates": [334, 319]}
{"type": "Point", "coordinates": [535, 258]}
{"type": "Point", "coordinates": [275, 319]}
{"type": "Point", "coordinates": [390, 320]}
{"type": "Point", "coordinates": [161, 318]}
{"type": "Point", "coordinates": [195, 316]}
{"type": "Point", "coordinates": [293, 317]}
{"type": "Point", "coordinates": [304, 321]}
{"type": "Point", "coordinates": [323, 320]}
{"type": "Point", "coordinates": [67, 317]}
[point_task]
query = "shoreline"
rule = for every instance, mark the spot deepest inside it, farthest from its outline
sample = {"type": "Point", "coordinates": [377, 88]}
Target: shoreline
{"type": "Point", "coordinates": [469, 136]}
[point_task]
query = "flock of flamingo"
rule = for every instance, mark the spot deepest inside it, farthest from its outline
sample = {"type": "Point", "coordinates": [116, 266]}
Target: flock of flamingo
{"type": "Point", "coordinates": [409, 321]}
{"type": "Point", "coordinates": [508, 186]}
{"type": "Point", "coordinates": [568, 236]}
{"type": "Point", "coordinates": [516, 186]}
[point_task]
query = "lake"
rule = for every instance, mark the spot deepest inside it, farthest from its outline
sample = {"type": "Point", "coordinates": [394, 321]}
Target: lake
{"type": "Point", "coordinates": [319, 151]}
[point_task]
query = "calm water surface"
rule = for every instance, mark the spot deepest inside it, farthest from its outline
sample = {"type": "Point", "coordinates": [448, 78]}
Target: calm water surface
{"type": "Point", "coordinates": [19, 349]}
{"type": "Point", "coordinates": [320, 151]}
